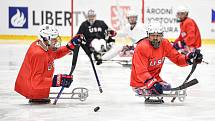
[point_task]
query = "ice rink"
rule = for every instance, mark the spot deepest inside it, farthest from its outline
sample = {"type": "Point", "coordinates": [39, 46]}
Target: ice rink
{"type": "Point", "coordinates": [118, 102]}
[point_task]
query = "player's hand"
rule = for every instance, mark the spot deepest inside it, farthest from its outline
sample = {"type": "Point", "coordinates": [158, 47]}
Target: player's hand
{"type": "Point", "coordinates": [63, 80]}
{"type": "Point", "coordinates": [75, 41]}
{"type": "Point", "coordinates": [153, 86]}
{"type": "Point", "coordinates": [112, 33]}
{"type": "Point", "coordinates": [196, 55]}
{"type": "Point", "coordinates": [179, 45]}
{"type": "Point", "coordinates": [150, 82]}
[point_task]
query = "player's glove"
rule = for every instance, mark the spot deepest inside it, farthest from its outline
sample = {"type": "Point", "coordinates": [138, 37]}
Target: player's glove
{"type": "Point", "coordinates": [112, 33]}
{"type": "Point", "coordinates": [179, 45]}
{"type": "Point", "coordinates": [196, 55]}
{"type": "Point", "coordinates": [75, 41]}
{"type": "Point", "coordinates": [153, 86]}
{"type": "Point", "coordinates": [63, 80]}
{"type": "Point", "coordinates": [165, 86]}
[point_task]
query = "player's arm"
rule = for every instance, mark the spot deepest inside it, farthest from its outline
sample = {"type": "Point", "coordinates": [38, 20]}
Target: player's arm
{"type": "Point", "coordinates": [174, 55]}
{"type": "Point", "coordinates": [81, 29]}
{"type": "Point", "coordinates": [180, 59]}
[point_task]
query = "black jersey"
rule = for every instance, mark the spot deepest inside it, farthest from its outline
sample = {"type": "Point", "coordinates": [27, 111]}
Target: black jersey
{"type": "Point", "coordinates": [95, 31]}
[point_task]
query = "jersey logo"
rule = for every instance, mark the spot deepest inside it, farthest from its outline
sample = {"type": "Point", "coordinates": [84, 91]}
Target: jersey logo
{"type": "Point", "coordinates": [95, 29]}
{"type": "Point", "coordinates": [155, 62]}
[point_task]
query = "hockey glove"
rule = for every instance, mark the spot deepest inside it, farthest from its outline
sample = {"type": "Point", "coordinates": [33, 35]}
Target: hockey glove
{"type": "Point", "coordinates": [112, 33]}
{"type": "Point", "coordinates": [165, 86]}
{"type": "Point", "coordinates": [63, 80]}
{"type": "Point", "coordinates": [196, 55]}
{"type": "Point", "coordinates": [179, 45]}
{"type": "Point", "coordinates": [75, 41]}
{"type": "Point", "coordinates": [153, 86]}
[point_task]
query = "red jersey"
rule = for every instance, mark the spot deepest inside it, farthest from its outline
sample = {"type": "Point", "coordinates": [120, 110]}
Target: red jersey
{"type": "Point", "coordinates": [35, 76]}
{"type": "Point", "coordinates": [190, 33]}
{"type": "Point", "coordinates": [148, 61]}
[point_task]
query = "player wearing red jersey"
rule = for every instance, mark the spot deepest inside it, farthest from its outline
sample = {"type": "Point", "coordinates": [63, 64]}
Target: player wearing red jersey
{"type": "Point", "coordinates": [189, 38]}
{"type": "Point", "coordinates": [148, 59]}
{"type": "Point", "coordinates": [36, 73]}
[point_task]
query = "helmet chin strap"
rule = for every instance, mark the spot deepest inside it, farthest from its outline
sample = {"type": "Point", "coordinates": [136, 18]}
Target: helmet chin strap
{"type": "Point", "coordinates": [45, 46]}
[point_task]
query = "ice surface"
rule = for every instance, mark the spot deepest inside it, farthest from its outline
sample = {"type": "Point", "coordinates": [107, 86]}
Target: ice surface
{"type": "Point", "coordinates": [117, 102]}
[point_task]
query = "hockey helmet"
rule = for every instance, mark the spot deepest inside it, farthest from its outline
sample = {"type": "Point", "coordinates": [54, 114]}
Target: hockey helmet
{"type": "Point", "coordinates": [155, 27]}
{"type": "Point", "coordinates": [91, 16]}
{"type": "Point", "coordinates": [182, 9]}
{"type": "Point", "coordinates": [131, 13]}
{"type": "Point", "coordinates": [49, 33]}
{"type": "Point", "coordinates": [132, 17]}
{"type": "Point", "coordinates": [155, 33]}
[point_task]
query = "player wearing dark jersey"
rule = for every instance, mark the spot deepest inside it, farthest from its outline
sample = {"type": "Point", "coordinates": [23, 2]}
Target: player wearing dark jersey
{"type": "Point", "coordinates": [97, 35]}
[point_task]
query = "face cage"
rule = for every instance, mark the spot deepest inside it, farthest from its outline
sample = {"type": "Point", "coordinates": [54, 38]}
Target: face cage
{"type": "Point", "coordinates": [179, 18]}
{"type": "Point", "coordinates": [50, 44]}
{"type": "Point", "coordinates": [57, 44]}
{"type": "Point", "coordinates": [91, 19]}
{"type": "Point", "coordinates": [132, 21]}
{"type": "Point", "coordinates": [154, 42]}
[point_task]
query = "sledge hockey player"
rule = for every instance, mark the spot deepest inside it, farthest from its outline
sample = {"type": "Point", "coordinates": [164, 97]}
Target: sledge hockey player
{"type": "Point", "coordinates": [133, 31]}
{"type": "Point", "coordinates": [35, 77]}
{"type": "Point", "coordinates": [97, 34]}
{"type": "Point", "coordinates": [189, 38]}
{"type": "Point", "coordinates": [148, 59]}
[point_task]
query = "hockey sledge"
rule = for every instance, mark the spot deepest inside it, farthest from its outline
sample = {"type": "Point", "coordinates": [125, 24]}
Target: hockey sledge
{"type": "Point", "coordinates": [177, 92]}
{"type": "Point", "coordinates": [158, 99]}
{"type": "Point", "coordinates": [124, 61]}
{"type": "Point", "coordinates": [79, 93]}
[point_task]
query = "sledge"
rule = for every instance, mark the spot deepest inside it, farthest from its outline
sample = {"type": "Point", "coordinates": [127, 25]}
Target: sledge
{"type": "Point", "coordinates": [79, 93]}
{"type": "Point", "coordinates": [177, 92]}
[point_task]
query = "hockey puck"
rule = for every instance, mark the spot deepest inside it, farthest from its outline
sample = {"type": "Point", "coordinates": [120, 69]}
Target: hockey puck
{"type": "Point", "coordinates": [96, 109]}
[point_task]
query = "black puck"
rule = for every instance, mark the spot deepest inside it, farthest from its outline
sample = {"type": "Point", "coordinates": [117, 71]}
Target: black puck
{"type": "Point", "coordinates": [96, 109]}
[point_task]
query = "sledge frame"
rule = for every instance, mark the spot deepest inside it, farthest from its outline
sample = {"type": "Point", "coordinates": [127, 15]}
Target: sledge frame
{"type": "Point", "coordinates": [79, 93]}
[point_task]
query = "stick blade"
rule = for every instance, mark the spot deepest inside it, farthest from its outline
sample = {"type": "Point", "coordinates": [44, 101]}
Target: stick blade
{"type": "Point", "coordinates": [189, 84]}
{"type": "Point", "coordinates": [186, 85]}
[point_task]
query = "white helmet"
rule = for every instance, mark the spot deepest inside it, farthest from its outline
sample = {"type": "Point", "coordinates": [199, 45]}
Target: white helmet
{"type": "Point", "coordinates": [48, 32]}
{"type": "Point", "coordinates": [132, 13]}
{"type": "Point", "coordinates": [91, 13]}
{"type": "Point", "coordinates": [182, 9]}
{"type": "Point", "coordinates": [155, 27]}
